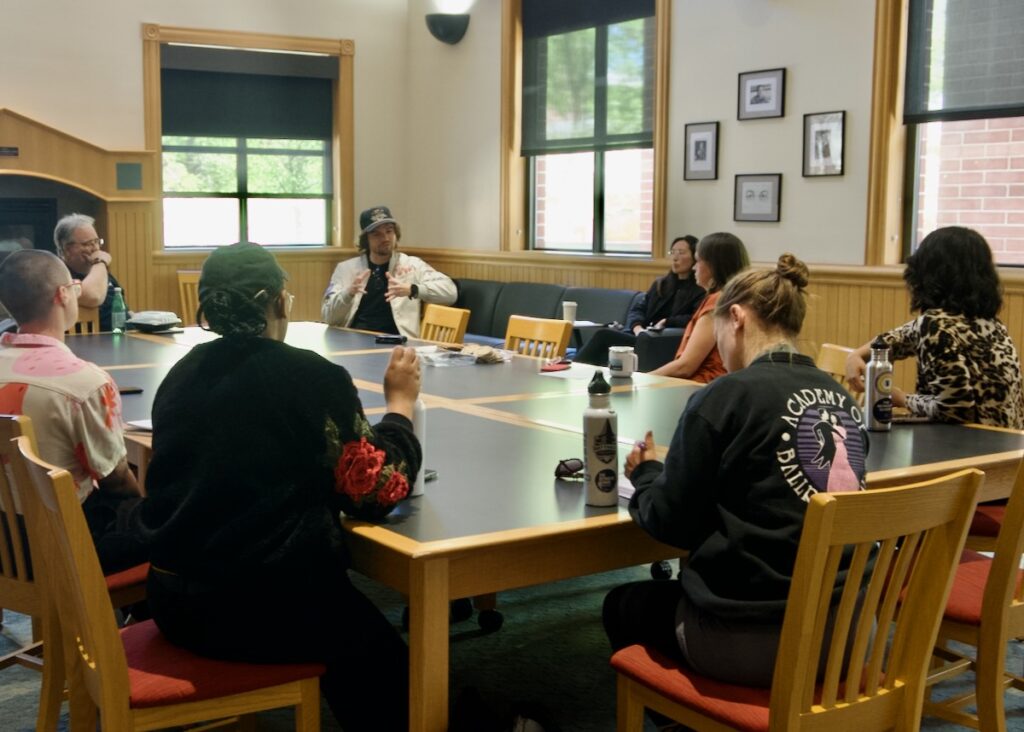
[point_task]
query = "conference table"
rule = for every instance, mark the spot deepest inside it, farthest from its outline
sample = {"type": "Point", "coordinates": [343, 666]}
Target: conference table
{"type": "Point", "coordinates": [496, 518]}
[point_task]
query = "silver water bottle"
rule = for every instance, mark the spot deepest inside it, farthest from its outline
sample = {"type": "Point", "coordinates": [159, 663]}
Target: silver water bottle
{"type": "Point", "coordinates": [878, 388]}
{"type": "Point", "coordinates": [600, 445]}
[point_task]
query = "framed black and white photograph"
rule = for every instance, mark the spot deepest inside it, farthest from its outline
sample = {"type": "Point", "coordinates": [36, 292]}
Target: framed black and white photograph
{"type": "Point", "coordinates": [758, 197]}
{"type": "Point", "coordinates": [823, 143]}
{"type": "Point", "coordinates": [762, 94]}
{"type": "Point", "coordinates": [701, 161]}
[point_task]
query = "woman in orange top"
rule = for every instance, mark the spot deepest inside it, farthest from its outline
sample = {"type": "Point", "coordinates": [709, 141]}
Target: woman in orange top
{"type": "Point", "coordinates": [719, 257]}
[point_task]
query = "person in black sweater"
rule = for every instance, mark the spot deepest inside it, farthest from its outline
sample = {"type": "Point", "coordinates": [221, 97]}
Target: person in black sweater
{"type": "Point", "coordinates": [669, 303]}
{"type": "Point", "coordinates": [256, 447]}
{"type": "Point", "coordinates": [749, 451]}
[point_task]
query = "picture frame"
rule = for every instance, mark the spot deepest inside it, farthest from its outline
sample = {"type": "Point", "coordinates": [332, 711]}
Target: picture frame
{"type": "Point", "coordinates": [757, 197]}
{"type": "Point", "coordinates": [824, 134]}
{"type": "Point", "coordinates": [701, 160]}
{"type": "Point", "coordinates": [761, 94]}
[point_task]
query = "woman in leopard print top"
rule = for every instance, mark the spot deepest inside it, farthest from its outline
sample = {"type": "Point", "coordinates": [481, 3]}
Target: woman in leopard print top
{"type": "Point", "coordinates": [968, 369]}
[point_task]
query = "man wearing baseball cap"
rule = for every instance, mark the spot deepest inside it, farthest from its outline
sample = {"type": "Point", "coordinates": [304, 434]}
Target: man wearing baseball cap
{"type": "Point", "coordinates": [381, 289]}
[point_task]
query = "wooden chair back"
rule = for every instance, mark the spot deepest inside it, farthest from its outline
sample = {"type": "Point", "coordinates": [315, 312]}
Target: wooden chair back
{"type": "Point", "coordinates": [832, 360]}
{"type": "Point", "coordinates": [22, 581]}
{"type": "Point", "coordinates": [188, 295]}
{"type": "Point", "coordinates": [76, 584]}
{"type": "Point", "coordinates": [443, 324]}
{"type": "Point", "coordinates": [902, 546]}
{"type": "Point", "coordinates": [88, 321]}
{"type": "Point", "coordinates": [538, 337]}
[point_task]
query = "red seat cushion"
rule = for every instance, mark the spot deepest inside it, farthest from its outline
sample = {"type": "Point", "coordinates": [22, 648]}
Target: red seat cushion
{"type": "Point", "coordinates": [128, 577]}
{"type": "Point", "coordinates": [742, 707]}
{"type": "Point", "coordinates": [160, 673]}
{"type": "Point", "coordinates": [965, 598]}
{"type": "Point", "coordinates": [987, 520]}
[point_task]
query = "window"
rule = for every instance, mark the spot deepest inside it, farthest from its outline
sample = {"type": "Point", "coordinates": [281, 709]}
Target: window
{"type": "Point", "coordinates": [964, 109]}
{"type": "Point", "coordinates": [587, 126]}
{"type": "Point", "coordinates": [247, 147]}
{"type": "Point", "coordinates": [219, 190]}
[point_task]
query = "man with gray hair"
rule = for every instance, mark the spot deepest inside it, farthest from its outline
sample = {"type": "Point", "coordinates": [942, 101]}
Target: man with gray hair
{"type": "Point", "coordinates": [74, 405]}
{"type": "Point", "coordinates": [81, 248]}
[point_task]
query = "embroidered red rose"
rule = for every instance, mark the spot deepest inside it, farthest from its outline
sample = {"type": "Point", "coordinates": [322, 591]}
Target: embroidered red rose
{"type": "Point", "coordinates": [396, 488]}
{"type": "Point", "coordinates": [358, 469]}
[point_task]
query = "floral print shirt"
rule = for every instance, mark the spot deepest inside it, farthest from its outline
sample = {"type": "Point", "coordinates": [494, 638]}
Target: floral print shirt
{"type": "Point", "coordinates": [74, 405]}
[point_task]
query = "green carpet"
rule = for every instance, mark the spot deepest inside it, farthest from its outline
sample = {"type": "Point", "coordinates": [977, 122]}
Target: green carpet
{"type": "Point", "coordinates": [551, 654]}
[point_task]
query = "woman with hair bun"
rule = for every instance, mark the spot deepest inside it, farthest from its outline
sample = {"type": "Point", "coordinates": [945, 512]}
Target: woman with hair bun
{"type": "Point", "coordinates": [750, 449]}
{"type": "Point", "coordinates": [968, 369]}
{"type": "Point", "coordinates": [257, 446]}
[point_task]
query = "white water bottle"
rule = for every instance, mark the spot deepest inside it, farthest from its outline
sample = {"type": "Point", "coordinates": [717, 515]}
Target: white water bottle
{"type": "Point", "coordinates": [878, 388]}
{"type": "Point", "coordinates": [419, 428]}
{"type": "Point", "coordinates": [600, 445]}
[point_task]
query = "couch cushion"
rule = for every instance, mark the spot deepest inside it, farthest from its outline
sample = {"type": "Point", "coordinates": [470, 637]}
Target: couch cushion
{"type": "Point", "coordinates": [525, 298]}
{"type": "Point", "coordinates": [479, 297]}
{"type": "Point", "coordinates": [600, 305]}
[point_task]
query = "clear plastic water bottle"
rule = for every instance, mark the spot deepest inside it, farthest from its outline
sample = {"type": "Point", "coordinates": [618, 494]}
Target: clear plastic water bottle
{"type": "Point", "coordinates": [600, 445]}
{"type": "Point", "coordinates": [878, 388]}
{"type": "Point", "coordinates": [419, 428]}
{"type": "Point", "coordinates": [118, 312]}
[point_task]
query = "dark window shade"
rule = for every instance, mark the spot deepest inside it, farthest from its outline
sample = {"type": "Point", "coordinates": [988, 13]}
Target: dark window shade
{"type": "Point", "coordinates": [208, 103]}
{"type": "Point", "coordinates": [967, 63]}
{"type": "Point", "coordinates": [588, 76]}
{"type": "Point", "coordinates": [552, 17]}
{"type": "Point", "coordinates": [241, 61]}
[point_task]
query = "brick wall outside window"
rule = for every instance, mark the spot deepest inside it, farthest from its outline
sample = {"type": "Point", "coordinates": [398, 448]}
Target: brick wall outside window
{"type": "Point", "coordinates": [971, 173]}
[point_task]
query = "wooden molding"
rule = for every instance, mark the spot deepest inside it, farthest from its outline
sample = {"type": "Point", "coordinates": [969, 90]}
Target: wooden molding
{"type": "Point", "coordinates": [238, 39]}
{"type": "Point", "coordinates": [663, 49]}
{"type": "Point", "coordinates": [512, 216]}
{"type": "Point", "coordinates": [888, 136]}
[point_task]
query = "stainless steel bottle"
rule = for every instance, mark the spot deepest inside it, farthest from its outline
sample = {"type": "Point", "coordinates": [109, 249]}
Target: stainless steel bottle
{"type": "Point", "coordinates": [878, 388]}
{"type": "Point", "coordinates": [600, 445]}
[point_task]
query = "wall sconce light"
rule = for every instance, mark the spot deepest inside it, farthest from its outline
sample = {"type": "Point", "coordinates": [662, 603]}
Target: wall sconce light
{"type": "Point", "coordinates": [448, 27]}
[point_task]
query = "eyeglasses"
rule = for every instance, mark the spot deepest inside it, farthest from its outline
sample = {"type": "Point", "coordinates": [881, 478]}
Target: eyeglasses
{"type": "Point", "coordinates": [569, 468]}
{"type": "Point", "coordinates": [97, 242]}
{"type": "Point", "coordinates": [75, 285]}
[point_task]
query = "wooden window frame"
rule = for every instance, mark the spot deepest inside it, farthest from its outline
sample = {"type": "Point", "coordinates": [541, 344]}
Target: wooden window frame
{"type": "Point", "coordinates": [343, 142]}
{"type": "Point", "coordinates": [515, 228]}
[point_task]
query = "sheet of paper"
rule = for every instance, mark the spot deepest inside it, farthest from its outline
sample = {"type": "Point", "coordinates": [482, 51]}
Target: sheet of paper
{"type": "Point", "coordinates": [626, 489]}
{"type": "Point", "coordinates": [141, 424]}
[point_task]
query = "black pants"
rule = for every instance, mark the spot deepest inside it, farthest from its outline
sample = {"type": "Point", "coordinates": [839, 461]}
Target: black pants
{"type": "Point", "coordinates": [108, 519]}
{"type": "Point", "coordinates": [312, 618]}
{"type": "Point", "coordinates": [596, 349]}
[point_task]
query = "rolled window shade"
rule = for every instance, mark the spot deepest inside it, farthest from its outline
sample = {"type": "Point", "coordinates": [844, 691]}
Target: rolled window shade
{"type": "Point", "coordinates": [965, 60]}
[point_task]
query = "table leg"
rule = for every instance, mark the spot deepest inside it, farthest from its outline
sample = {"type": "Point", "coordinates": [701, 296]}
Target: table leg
{"type": "Point", "coordinates": [428, 645]}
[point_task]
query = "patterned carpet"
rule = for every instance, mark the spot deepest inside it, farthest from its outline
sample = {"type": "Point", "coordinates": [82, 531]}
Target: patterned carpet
{"type": "Point", "coordinates": [550, 658]}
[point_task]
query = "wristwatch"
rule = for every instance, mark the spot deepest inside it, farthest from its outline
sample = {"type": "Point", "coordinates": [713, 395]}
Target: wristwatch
{"type": "Point", "coordinates": [414, 291]}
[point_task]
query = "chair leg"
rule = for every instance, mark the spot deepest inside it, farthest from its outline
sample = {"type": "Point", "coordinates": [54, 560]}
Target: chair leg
{"type": "Point", "coordinates": [51, 693]}
{"type": "Point", "coordinates": [989, 686]}
{"type": "Point", "coordinates": [629, 711]}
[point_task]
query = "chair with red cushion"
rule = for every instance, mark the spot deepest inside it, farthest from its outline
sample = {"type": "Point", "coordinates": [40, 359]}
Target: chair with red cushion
{"type": "Point", "coordinates": [134, 679]}
{"type": "Point", "coordinates": [985, 610]}
{"type": "Point", "coordinates": [907, 537]}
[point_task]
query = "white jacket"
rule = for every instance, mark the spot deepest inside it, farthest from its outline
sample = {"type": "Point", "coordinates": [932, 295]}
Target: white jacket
{"type": "Point", "coordinates": [339, 307]}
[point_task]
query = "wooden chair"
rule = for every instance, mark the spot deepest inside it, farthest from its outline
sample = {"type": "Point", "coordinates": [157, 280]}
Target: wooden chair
{"type": "Point", "coordinates": [188, 294]}
{"type": "Point", "coordinates": [21, 588]}
{"type": "Point", "coordinates": [539, 337]}
{"type": "Point", "coordinates": [136, 679]}
{"type": "Point", "coordinates": [88, 321]}
{"type": "Point", "coordinates": [985, 610]}
{"type": "Point", "coordinates": [914, 535]}
{"type": "Point", "coordinates": [832, 360]}
{"type": "Point", "coordinates": [444, 324]}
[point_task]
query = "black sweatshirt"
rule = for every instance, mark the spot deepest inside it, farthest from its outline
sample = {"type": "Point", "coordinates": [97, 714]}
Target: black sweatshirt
{"type": "Point", "coordinates": [240, 485]}
{"type": "Point", "coordinates": [749, 451]}
{"type": "Point", "coordinates": [676, 302]}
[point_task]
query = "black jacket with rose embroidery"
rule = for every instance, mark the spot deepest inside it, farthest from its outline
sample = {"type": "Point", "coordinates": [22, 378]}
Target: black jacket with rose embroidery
{"type": "Point", "coordinates": [247, 433]}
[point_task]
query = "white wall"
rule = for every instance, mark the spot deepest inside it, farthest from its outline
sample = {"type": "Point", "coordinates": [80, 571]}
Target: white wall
{"type": "Point", "coordinates": [826, 49]}
{"type": "Point", "coordinates": [428, 115]}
